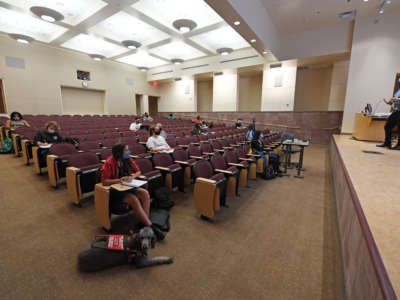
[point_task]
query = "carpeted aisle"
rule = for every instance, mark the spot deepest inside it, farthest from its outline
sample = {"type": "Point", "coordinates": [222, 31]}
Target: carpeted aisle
{"type": "Point", "coordinates": [277, 241]}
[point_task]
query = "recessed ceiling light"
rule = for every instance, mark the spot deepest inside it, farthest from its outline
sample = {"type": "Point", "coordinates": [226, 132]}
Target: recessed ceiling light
{"type": "Point", "coordinates": [253, 41]}
{"type": "Point", "coordinates": [177, 61]}
{"type": "Point", "coordinates": [47, 14]}
{"type": "Point", "coordinates": [237, 23]}
{"type": "Point", "coordinates": [97, 57]}
{"type": "Point", "coordinates": [225, 51]}
{"type": "Point", "coordinates": [20, 38]}
{"type": "Point", "coordinates": [48, 18]}
{"type": "Point", "coordinates": [265, 52]}
{"type": "Point", "coordinates": [131, 44]}
{"type": "Point", "coordinates": [365, 0]}
{"type": "Point", "coordinates": [143, 69]}
{"type": "Point", "coordinates": [184, 25]}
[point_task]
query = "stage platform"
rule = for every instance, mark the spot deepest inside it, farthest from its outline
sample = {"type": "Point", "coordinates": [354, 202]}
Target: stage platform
{"type": "Point", "coordinates": [367, 192]}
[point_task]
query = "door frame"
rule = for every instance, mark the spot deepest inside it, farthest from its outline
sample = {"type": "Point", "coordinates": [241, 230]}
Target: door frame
{"type": "Point", "coordinates": [3, 105]}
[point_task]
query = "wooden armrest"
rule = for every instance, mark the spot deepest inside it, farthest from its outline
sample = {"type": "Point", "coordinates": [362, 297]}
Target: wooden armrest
{"type": "Point", "coordinates": [143, 143]}
{"type": "Point", "coordinates": [224, 171]}
{"type": "Point", "coordinates": [196, 157]}
{"type": "Point", "coordinates": [254, 155]}
{"type": "Point", "coordinates": [75, 170]}
{"type": "Point", "coordinates": [227, 147]}
{"type": "Point", "coordinates": [246, 159]}
{"type": "Point", "coordinates": [104, 161]}
{"type": "Point", "coordinates": [182, 162]}
{"type": "Point", "coordinates": [208, 153]}
{"type": "Point", "coordinates": [236, 165]}
{"type": "Point", "coordinates": [202, 179]}
{"type": "Point", "coordinates": [103, 187]}
{"type": "Point", "coordinates": [121, 187]}
{"type": "Point", "coordinates": [142, 177]}
{"type": "Point", "coordinates": [162, 168]}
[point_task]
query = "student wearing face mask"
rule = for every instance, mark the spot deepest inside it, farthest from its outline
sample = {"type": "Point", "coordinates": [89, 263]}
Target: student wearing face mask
{"type": "Point", "coordinates": [48, 136]}
{"type": "Point", "coordinates": [16, 121]}
{"type": "Point", "coordinates": [156, 143]}
{"type": "Point", "coordinates": [118, 168]}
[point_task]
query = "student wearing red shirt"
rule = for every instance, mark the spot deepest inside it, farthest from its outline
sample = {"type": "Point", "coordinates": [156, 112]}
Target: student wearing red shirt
{"type": "Point", "coordinates": [197, 120]}
{"type": "Point", "coordinates": [120, 167]}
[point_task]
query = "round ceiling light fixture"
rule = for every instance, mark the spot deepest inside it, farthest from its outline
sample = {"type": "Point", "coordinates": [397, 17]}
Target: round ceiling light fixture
{"type": "Point", "coordinates": [253, 41]}
{"type": "Point", "coordinates": [236, 23]}
{"type": "Point", "coordinates": [225, 51]}
{"type": "Point", "coordinates": [143, 69]}
{"type": "Point", "coordinates": [184, 25]}
{"type": "Point", "coordinates": [177, 61]}
{"type": "Point", "coordinates": [23, 39]}
{"type": "Point", "coordinates": [97, 57]}
{"type": "Point", "coordinates": [47, 14]}
{"type": "Point", "coordinates": [131, 44]}
{"type": "Point", "coordinates": [265, 52]}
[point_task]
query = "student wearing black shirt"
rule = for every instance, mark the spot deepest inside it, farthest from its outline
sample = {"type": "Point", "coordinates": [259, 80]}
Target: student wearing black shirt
{"type": "Point", "coordinates": [48, 136]}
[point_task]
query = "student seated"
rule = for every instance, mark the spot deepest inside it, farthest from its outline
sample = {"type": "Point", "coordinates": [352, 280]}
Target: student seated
{"type": "Point", "coordinates": [48, 136]}
{"type": "Point", "coordinates": [196, 129]}
{"type": "Point", "coordinates": [257, 145]}
{"type": "Point", "coordinates": [16, 121]}
{"type": "Point", "coordinates": [146, 117]}
{"type": "Point", "coordinates": [118, 168]}
{"type": "Point", "coordinates": [197, 120]}
{"type": "Point", "coordinates": [135, 126]}
{"type": "Point", "coordinates": [155, 142]}
{"type": "Point", "coordinates": [162, 131]}
{"type": "Point", "coordinates": [171, 117]}
{"type": "Point", "coordinates": [239, 124]}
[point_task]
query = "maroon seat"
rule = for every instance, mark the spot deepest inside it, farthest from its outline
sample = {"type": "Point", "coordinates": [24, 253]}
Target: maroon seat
{"type": "Point", "coordinates": [207, 149]}
{"type": "Point", "coordinates": [105, 153]}
{"type": "Point", "coordinates": [89, 146]}
{"type": "Point", "coordinates": [57, 161]}
{"type": "Point", "coordinates": [172, 172]}
{"type": "Point", "coordinates": [109, 143]}
{"type": "Point", "coordinates": [219, 164]}
{"type": "Point", "coordinates": [152, 176]}
{"type": "Point", "coordinates": [138, 150]}
{"type": "Point", "coordinates": [183, 142]}
{"type": "Point", "coordinates": [217, 146]}
{"type": "Point", "coordinates": [195, 152]}
{"type": "Point", "coordinates": [94, 137]}
{"type": "Point", "coordinates": [181, 157]}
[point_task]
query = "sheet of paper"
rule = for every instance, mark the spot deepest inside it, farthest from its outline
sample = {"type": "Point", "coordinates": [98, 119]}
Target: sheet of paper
{"type": "Point", "coordinates": [135, 183]}
{"type": "Point", "coordinates": [45, 147]}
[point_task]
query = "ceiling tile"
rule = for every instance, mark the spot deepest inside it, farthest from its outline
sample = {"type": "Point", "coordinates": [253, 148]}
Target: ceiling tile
{"type": "Point", "coordinates": [167, 11]}
{"type": "Point", "coordinates": [74, 11]}
{"type": "Point", "coordinates": [93, 45]}
{"type": "Point", "coordinates": [221, 38]}
{"type": "Point", "coordinates": [177, 49]}
{"type": "Point", "coordinates": [123, 26]}
{"type": "Point", "coordinates": [15, 22]}
{"type": "Point", "coordinates": [142, 59]}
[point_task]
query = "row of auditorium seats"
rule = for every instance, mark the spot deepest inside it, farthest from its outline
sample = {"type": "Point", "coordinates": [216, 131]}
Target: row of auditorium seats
{"type": "Point", "coordinates": [218, 163]}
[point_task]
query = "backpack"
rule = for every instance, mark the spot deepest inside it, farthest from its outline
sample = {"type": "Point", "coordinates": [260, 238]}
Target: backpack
{"type": "Point", "coordinates": [268, 173]}
{"type": "Point", "coordinates": [162, 199]}
{"type": "Point", "coordinates": [274, 161]}
{"type": "Point", "coordinates": [7, 146]}
{"type": "Point", "coordinates": [160, 218]}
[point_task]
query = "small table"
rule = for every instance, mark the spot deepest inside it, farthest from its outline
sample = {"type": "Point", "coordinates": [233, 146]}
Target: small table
{"type": "Point", "coordinates": [288, 144]}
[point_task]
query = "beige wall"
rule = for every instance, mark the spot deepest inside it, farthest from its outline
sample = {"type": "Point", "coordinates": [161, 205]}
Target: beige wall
{"type": "Point", "coordinates": [313, 88]}
{"type": "Point", "coordinates": [205, 95]}
{"type": "Point", "coordinates": [82, 101]}
{"type": "Point", "coordinates": [37, 88]}
{"type": "Point", "coordinates": [177, 95]}
{"type": "Point", "coordinates": [250, 90]}
{"type": "Point", "coordinates": [225, 91]}
{"type": "Point", "coordinates": [338, 85]}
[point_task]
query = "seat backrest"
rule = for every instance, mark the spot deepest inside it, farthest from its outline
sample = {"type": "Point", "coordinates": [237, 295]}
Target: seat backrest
{"type": "Point", "coordinates": [216, 145]}
{"type": "Point", "coordinates": [144, 164]}
{"type": "Point", "coordinates": [194, 150]}
{"type": "Point", "coordinates": [203, 169]}
{"type": "Point", "coordinates": [180, 154]}
{"type": "Point", "coordinates": [137, 149]}
{"type": "Point", "coordinates": [109, 142]}
{"type": "Point", "coordinates": [230, 157]}
{"type": "Point", "coordinates": [218, 162]}
{"type": "Point", "coordinates": [89, 145]}
{"type": "Point", "coordinates": [171, 142]}
{"type": "Point", "coordinates": [184, 141]}
{"type": "Point", "coordinates": [83, 159]}
{"type": "Point", "coordinates": [62, 149]}
{"type": "Point", "coordinates": [162, 160]}
{"type": "Point", "coordinates": [207, 147]}
{"type": "Point", "coordinates": [94, 137]}
{"type": "Point", "coordinates": [106, 153]}
{"type": "Point", "coordinates": [240, 152]}
{"type": "Point", "coordinates": [129, 140]}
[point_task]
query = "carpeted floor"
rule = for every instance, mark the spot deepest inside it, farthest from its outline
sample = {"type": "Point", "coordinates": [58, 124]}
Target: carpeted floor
{"type": "Point", "coordinates": [277, 241]}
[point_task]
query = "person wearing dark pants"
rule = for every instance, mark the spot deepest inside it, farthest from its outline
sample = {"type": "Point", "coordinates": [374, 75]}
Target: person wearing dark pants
{"type": "Point", "coordinates": [393, 120]}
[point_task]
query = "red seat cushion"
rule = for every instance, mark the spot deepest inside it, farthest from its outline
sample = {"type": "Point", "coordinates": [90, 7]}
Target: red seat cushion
{"type": "Point", "coordinates": [218, 177]}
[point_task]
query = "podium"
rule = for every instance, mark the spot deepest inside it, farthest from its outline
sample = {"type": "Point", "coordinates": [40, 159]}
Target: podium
{"type": "Point", "coordinates": [369, 128]}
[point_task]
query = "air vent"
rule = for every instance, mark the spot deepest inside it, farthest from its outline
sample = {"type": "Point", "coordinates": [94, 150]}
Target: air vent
{"type": "Point", "coordinates": [347, 14]}
{"type": "Point", "coordinates": [194, 67]}
{"type": "Point", "coordinates": [302, 68]}
{"type": "Point", "coordinates": [236, 59]}
{"type": "Point", "coordinates": [178, 79]}
{"type": "Point", "coordinates": [164, 72]}
{"type": "Point", "coordinates": [15, 62]}
{"type": "Point", "coordinates": [218, 73]}
{"type": "Point", "coordinates": [275, 66]}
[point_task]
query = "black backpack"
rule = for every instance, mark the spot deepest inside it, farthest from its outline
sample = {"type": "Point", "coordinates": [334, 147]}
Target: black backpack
{"type": "Point", "coordinates": [162, 199]}
{"type": "Point", "coordinates": [160, 218]}
{"type": "Point", "coordinates": [268, 173]}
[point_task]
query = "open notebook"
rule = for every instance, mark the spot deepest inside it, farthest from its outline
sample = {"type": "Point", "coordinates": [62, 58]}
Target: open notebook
{"type": "Point", "coordinates": [135, 183]}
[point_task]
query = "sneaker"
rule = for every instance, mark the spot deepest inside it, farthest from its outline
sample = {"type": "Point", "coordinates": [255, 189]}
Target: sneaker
{"type": "Point", "coordinates": [383, 145]}
{"type": "Point", "coordinates": [158, 232]}
{"type": "Point", "coordinates": [396, 148]}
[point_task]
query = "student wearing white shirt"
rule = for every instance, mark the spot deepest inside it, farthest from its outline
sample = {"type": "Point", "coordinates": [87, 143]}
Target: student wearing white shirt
{"type": "Point", "coordinates": [156, 143]}
{"type": "Point", "coordinates": [162, 132]}
{"type": "Point", "coordinates": [135, 126]}
{"type": "Point", "coordinates": [146, 117]}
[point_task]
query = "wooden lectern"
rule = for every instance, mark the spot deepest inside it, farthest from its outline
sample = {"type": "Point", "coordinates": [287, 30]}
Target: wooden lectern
{"type": "Point", "coordinates": [369, 128]}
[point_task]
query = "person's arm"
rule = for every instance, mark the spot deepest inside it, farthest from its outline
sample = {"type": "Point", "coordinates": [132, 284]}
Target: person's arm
{"type": "Point", "coordinates": [8, 124]}
{"type": "Point", "coordinates": [39, 139]}
{"type": "Point", "coordinates": [26, 123]}
{"type": "Point", "coordinates": [106, 175]}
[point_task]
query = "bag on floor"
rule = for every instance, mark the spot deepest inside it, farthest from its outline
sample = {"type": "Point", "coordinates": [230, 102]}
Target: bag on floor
{"type": "Point", "coordinates": [162, 199]}
{"type": "Point", "coordinates": [274, 162]}
{"type": "Point", "coordinates": [7, 146]}
{"type": "Point", "coordinates": [160, 218]}
{"type": "Point", "coordinates": [268, 173]}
